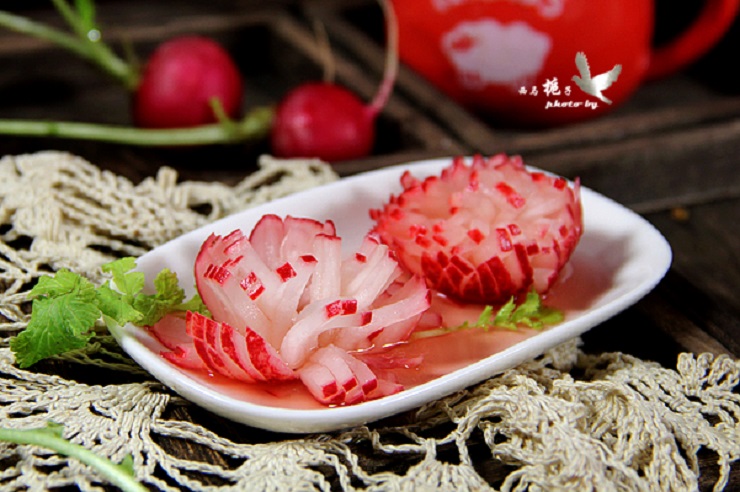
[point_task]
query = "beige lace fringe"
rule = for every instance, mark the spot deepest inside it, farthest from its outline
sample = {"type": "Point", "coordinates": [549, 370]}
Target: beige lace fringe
{"type": "Point", "coordinates": [621, 425]}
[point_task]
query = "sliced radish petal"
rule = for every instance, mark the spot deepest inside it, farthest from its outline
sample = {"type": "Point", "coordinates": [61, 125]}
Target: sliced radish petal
{"type": "Point", "coordinates": [326, 279]}
{"type": "Point", "coordinates": [366, 275]}
{"type": "Point", "coordinates": [303, 337]}
{"type": "Point", "coordinates": [321, 383]}
{"type": "Point", "coordinates": [235, 347]}
{"type": "Point", "coordinates": [392, 321]}
{"type": "Point", "coordinates": [385, 387]}
{"type": "Point", "coordinates": [171, 332]}
{"type": "Point", "coordinates": [185, 357]}
{"type": "Point", "coordinates": [267, 239]}
{"type": "Point", "coordinates": [204, 334]}
{"type": "Point", "coordinates": [335, 361]}
{"type": "Point", "coordinates": [266, 359]}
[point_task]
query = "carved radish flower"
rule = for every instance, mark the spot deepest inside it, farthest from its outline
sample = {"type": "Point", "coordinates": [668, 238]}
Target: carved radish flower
{"type": "Point", "coordinates": [285, 305]}
{"type": "Point", "coordinates": [485, 231]}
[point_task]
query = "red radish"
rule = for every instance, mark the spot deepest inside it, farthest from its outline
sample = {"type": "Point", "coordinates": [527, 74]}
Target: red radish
{"type": "Point", "coordinates": [180, 80]}
{"type": "Point", "coordinates": [484, 232]}
{"type": "Point", "coordinates": [285, 305]}
{"type": "Point", "coordinates": [327, 121]}
{"type": "Point", "coordinates": [171, 332]}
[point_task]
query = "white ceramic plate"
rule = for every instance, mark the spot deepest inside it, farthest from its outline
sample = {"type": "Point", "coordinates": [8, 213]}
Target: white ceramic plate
{"type": "Point", "coordinates": [620, 258]}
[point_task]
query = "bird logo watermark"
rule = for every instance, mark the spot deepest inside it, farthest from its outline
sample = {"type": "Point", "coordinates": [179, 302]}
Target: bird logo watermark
{"type": "Point", "coordinates": [594, 86]}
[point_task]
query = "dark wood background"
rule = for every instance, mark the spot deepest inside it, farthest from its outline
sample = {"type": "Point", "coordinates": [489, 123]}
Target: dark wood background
{"type": "Point", "coordinates": [670, 154]}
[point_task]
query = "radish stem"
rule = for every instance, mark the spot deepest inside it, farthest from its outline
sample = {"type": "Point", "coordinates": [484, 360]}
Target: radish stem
{"type": "Point", "coordinates": [72, 18]}
{"type": "Point", "coordinates": [92, 50]}
{"type": "Point", "coordinates": [255, 125]}
{"type": "Point", "coordinates": [50, 437]}
{"type": "Point", "coordinates": [324, 45]}
{"type": "Point", "coordinates": [391, 60]}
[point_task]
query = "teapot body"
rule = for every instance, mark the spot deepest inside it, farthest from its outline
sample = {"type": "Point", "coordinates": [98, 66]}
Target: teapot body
{"type": "Point", "coordinates": [515, 60]}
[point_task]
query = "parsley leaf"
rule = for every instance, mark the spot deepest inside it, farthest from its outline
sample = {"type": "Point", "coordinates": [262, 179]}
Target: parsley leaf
{"type": "Point", "coordinates": [530, 313]}
{"type": "Point", "coordinates": [196, 305]}
{"type": "Point", "coordinates": [67, 306]}
{"type": "Point", "coordinates": [169, 298]}
{"type": "Point", "coordinates": [127, 282]}
{"type": "Point", "coordinates": [63, 313]}
{"type": "Point", "coordinates": [115, 308]}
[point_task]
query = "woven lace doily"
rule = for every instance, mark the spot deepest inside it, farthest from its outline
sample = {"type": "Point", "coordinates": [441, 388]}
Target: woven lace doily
{"type": "Point", "coordinates": [565, 421]}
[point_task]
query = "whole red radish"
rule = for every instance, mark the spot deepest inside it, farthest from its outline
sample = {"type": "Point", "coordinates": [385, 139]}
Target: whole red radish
{"type": "Point", "coordinates": [325, 120]}
{"type": "Point", "coordinates": [179, 81]}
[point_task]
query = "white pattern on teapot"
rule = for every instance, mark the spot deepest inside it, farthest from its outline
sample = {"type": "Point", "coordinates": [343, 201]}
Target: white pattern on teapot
{"type": "Point", "coordinates": [486, 52]}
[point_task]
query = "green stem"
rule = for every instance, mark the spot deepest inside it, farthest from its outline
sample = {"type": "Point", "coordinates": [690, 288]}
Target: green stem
{"type": "Point", "coordinates": [43, 437]}
{"type": "Point", "coordinates": [255, 125]}
{"type": "Point", "coordinates": [69, 15]}
{"type": "Point", "coordinates": [95, 52]}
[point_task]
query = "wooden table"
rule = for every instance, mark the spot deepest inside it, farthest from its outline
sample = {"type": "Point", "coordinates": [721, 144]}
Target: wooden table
{"type": "Point", "coordinates": [670, 154]}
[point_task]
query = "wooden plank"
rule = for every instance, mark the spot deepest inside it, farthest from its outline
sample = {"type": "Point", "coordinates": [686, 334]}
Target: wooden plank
{"type": "Point", "coordinates": [669, 168]}
{"type": "Point", "coordinates": [706, 252]}
{"type": "Point", "coordinates": [667, 310]}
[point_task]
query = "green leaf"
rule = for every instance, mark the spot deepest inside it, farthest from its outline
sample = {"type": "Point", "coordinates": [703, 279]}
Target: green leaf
{"type": "Point", "coordinates": [113, 305]}
{"type": "Point", "coordinates": [64, 311]}
{"type": "Point", "coordinates": [167, 299]}
{"type": "Point", "coordinates": [57, 325]}
{"type": "Point", "coordinates": [62, 283]}
{"type": "Point", "coordinates": [551, 316]}
{"type": "Point", "coordinates": [504, 314]}
{"type": "Point", "coordinates": [128, 282]}
{"type": "Point", "coordinates": [67, 306]}
{"type": "Point", "coordinates": [196, 305]}
{"type": "Point", "coordinates": [71, 313]}
{"type": "Point", "coordinates": [511, 316]}
{"type": "Point", "coordinates": [168, 288]}
{"type": "Point", "coordinates": [530, 313]}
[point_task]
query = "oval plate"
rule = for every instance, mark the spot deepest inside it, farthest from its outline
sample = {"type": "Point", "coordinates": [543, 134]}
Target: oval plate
{"type": "Point", "coordinates": [620, 258]}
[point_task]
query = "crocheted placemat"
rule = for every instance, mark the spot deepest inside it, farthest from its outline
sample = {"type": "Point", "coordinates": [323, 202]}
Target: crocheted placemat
{"type": "Point", "coordinates": [565, 421]}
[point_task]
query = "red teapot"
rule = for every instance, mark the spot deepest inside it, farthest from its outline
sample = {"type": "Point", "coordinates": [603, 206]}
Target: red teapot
{"type": "Point", "coordinates": [547, 62]}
